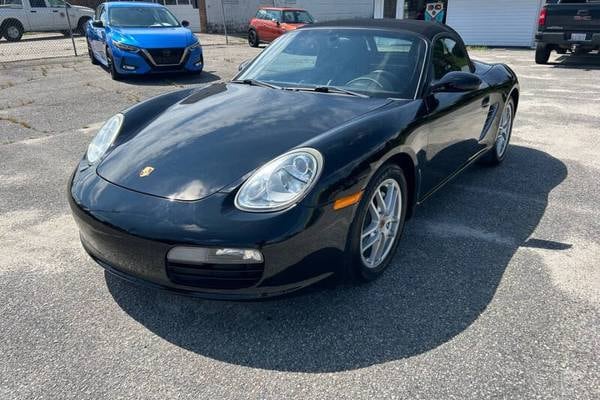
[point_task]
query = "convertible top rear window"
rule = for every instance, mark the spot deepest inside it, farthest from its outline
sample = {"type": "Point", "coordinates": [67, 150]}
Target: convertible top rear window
{"type": "Point", "coordinates": [377, 63]}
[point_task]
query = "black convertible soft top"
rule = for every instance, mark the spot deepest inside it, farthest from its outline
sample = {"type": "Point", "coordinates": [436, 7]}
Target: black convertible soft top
{"type": "Point", "coordinates": [424, 28]}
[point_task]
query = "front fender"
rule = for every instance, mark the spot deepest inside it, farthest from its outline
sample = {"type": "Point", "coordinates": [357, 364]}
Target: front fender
{"type": "Point", "coordinates": [355, 151]}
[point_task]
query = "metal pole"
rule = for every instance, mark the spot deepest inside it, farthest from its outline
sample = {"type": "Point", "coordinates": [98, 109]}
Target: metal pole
{"type": "Point", "coordinates": [224, 24]}
{"type": "Point", "coordinates": [70, 28]}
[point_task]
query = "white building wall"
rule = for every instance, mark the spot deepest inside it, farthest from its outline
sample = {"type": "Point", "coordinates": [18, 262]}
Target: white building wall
{"type": "Point", "coordinates": [495, 23]}
{"type": "Point", "coordinates": [186, 12]}
{"type": "Point", "coordinates": [239, 12]}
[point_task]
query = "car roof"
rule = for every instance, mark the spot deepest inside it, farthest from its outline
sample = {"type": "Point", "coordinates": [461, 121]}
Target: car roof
{"type": "Point", "coordinates": [423, 28]}
{"type": "Point", "coordinates": [282, 8]}
{"type": "Point", "coordinates": [113, 4]}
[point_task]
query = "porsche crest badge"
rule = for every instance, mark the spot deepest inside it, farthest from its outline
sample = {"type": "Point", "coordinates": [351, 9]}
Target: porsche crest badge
{"type": "Point", "coordinates": [146, 171]}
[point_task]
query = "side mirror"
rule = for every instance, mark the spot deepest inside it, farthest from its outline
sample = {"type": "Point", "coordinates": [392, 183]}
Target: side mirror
{"type": "Point", "coordinates": [243, 64]}
{"type": "Point", "coordinates": [97, 24]}
{"type": "Point", "coordinates": [185, 23]}
{"type": "Point", "coordinates": [456, 82]}
{"type": "Point", "coordinates": [276, 21]}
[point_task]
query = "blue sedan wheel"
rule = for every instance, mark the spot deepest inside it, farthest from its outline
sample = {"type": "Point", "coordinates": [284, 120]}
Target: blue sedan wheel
{"type": "Point", "coordinates": [114, 74]}
{"type": "Point", "coordinates": [91, 53]}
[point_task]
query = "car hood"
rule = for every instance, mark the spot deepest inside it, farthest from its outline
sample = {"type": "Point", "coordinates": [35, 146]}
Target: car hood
{"type": "Point", "coordinates": [290, 27]}
{"type": "Point", "coordinates": [218, 135]}
{"type": "Point", "coordinates": [149, 38]}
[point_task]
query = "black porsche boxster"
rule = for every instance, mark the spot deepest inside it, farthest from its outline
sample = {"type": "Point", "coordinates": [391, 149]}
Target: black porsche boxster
{"type": "Point", "coordinates": [306, 164]}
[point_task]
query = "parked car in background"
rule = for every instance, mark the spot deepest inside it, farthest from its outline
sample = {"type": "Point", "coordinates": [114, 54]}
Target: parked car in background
{"type": "Point", "coordinates": [568, 25]}
{"type": "Point", "coordinates": [271, 22]}
{"type": "Point", "coordinates": [132, 38]}
{"type": "Point", "coordinates": [20, 16]}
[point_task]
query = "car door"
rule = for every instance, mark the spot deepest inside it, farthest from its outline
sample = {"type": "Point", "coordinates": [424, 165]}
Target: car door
{"type": "Point", "coordinates": [457, 119]}
{"type": "Point", "coordinates": [59, 17]}
{"type": "Point", "coordinates": [40, 16]}
{"type": "Point", "coordinates": [98, 35]}
{"type": "Point", "coordinates": [271, 27]}
{"type": "Point", "coordinates": [259, 22]}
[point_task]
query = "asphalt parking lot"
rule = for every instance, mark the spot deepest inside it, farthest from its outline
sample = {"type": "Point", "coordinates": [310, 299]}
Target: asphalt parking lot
{"type": "Point", "coordinates": [494, 292]}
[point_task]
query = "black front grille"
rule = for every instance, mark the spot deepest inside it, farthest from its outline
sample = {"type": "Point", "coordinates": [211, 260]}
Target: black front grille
{"type": "Point", "coordinates": [166, 56]}
{"type": "Point", "coordinates": [215, 276]}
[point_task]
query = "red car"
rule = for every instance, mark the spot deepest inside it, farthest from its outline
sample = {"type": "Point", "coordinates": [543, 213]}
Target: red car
{"type": "Point", "coordinates": [271, 22]}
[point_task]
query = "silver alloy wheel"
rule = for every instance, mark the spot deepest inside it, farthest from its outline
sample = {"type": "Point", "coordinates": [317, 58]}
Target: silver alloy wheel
{"type": "Point", "coordinates": [381, 223]}
{"type": "Point", "coordinates": [504, 130]}
{"type": "Point", "coordinates": [12, 32]}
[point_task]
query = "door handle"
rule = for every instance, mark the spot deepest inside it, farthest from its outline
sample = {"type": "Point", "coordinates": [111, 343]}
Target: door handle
{"type": "Point", "coordinates": [54, 10]}
{"type": "Point", "coordinates": [485, 102]}
{"type": "Point", "coordinates": [33, 11]}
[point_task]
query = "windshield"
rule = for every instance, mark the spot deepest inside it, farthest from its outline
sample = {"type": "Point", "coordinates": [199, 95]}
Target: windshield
{"type": "Point", "coordinates": [296, 17]}
{"type": "Point", "coordinates": [141, 17]}
{"type": "Point", "coordinates": [371, 62]}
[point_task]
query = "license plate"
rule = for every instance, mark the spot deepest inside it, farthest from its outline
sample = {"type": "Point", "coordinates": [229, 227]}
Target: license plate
{"type": "Point", "coordinates": [578, 37]}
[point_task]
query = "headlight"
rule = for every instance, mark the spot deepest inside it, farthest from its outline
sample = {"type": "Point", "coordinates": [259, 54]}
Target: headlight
{"type": "Point", "coordinates": [125, 47]}
{"type": "Point", "coordinates": [104, 138]}
{"type": "Point", "coordinates": [194, 46]}
{"type": "Point", "coordinates": [282, 182]}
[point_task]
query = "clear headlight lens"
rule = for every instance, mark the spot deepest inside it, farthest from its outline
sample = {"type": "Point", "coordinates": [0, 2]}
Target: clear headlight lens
{"type": "Point", "coordinates": [282, 182]}
{"type": "Point", "coordinates": [104, 138]}
{"type": "Point", "coordinates": [125, 47]}
{"type": "Point", "coordinates": [194, 46]}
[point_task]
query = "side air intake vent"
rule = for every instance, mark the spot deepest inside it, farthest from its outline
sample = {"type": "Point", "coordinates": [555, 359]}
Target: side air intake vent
{"type": "Point", "coordinates": [489, 120]}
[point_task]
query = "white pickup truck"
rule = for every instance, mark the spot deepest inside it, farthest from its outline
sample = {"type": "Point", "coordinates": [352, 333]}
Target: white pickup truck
{"type": "Point", "coordinates": [19, 16]}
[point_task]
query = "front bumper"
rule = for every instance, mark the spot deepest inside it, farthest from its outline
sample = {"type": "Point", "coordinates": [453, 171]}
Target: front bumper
{"type": "Point", "coordinates": [130, 234]}
{"type": "Point", "coordinates": [563, 39]}
{"type": "Point", "coordinates": [142, 62]}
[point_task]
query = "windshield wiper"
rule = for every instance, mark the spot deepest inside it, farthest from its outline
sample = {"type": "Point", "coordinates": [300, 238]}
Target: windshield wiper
{"type": "Point", "coordinates": [254, 82]}
{"type": "Point", "coordinates": [327, 89]}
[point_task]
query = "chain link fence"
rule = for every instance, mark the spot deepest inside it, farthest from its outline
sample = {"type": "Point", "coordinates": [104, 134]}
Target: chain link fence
{"type": "Point", "coordinates": [32, 29]}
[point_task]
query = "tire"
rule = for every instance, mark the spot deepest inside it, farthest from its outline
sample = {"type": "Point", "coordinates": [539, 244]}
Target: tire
{"type": "Point", "coordinates": [497, 153]}
{"type": "Point", "coordinates": [253, 39]}
{"type": "Point", "coordinates": [542, 54]}
{"type": "Point", "coordinates": [360, 261]}
{"type": "Point", "coordinates": [12, 31]}
{"type": "Point", "coordinates": [114, 74]}
{"type": "Point", "coordinates": [91, 54]}
{"type": "Point", "coordinates": [81, 26]}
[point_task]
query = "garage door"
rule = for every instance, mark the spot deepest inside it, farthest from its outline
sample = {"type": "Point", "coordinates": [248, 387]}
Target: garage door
{"type": "Point", "coordinates": [495, 23]}
{"type": "Point", "coordinates": [324, 10]}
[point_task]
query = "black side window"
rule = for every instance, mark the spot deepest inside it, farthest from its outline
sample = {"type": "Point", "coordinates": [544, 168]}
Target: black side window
{"type": "Point", "coordinates": [98, 12]}
{"type": "Point", "coordinates": [103, 16]}
{"type": "Point", "coordinates": [261, 14]}
{"type": "Point", "coordinates": [274, 14]}
{"type": "Point", "coordinates": [37, 3]}
{"type": "Point", "coordinates": [449, 56]}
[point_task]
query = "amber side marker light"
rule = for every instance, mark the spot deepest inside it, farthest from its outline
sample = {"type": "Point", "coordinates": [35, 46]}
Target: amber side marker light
{"type": "Point", "coordinates": [347, 201]}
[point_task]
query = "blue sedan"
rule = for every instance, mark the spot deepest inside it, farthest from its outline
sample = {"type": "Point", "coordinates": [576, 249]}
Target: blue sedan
{"type": "Point", "coordinates": [140, 38]}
